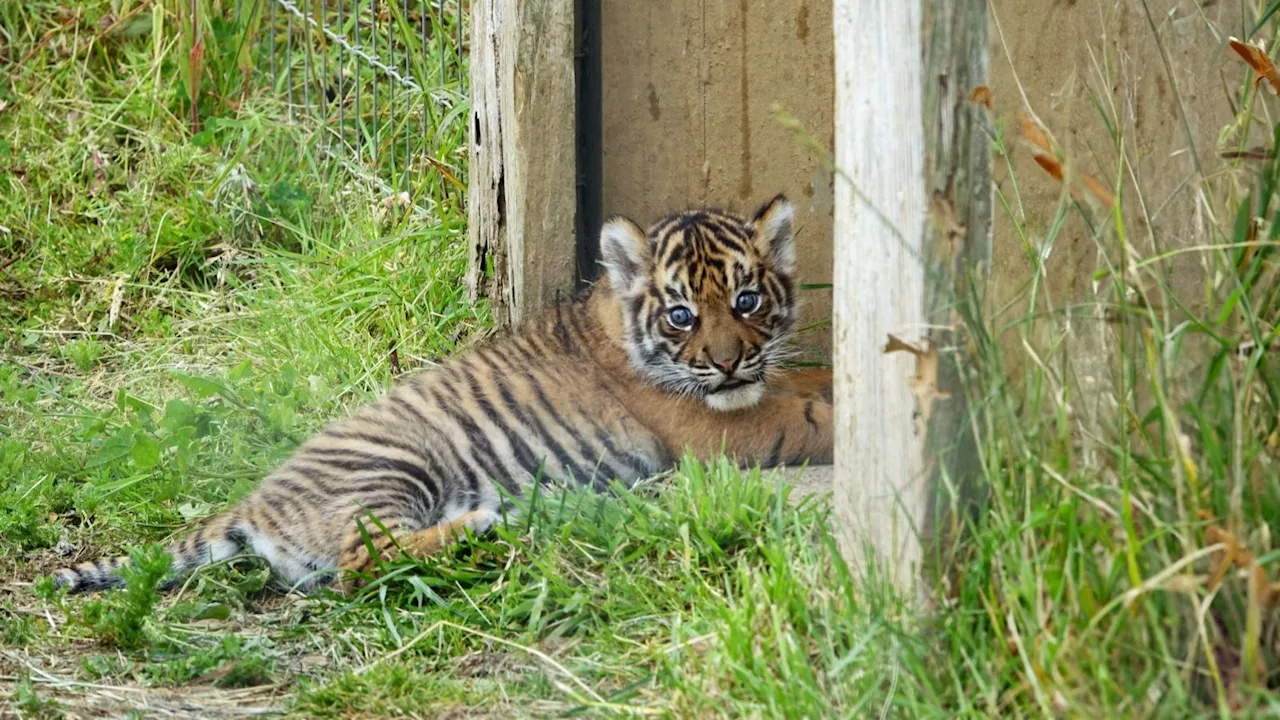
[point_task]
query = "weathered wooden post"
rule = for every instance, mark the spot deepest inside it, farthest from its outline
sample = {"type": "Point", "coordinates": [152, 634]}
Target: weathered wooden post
{"type": "Point", "coordinates": [912, 227]}
{"type": "Point", "coordinates": [522, 202]}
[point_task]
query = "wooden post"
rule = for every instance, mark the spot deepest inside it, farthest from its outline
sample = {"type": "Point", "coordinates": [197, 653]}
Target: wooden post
{"type": "Point", "coordinates": [912, 225]}
{"type": "Point", "coordinates": [523, 171]}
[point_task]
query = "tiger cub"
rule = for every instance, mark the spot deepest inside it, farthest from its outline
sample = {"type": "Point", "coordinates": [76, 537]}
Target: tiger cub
{"type": "Point", "coordinates": [676, 348]}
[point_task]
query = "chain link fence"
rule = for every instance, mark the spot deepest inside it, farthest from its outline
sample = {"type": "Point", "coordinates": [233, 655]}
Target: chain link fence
{"type": "Point", "coordinates": [384, 82]}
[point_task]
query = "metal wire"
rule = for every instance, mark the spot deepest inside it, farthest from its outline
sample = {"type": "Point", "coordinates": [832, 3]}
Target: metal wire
{"type": "Point", "coordinates": [370, 124]}
{"type": "Point", "coordinates": [342, 86]}
{"type": "Point", "coordinates": [288, 64]}
{"type": "Point", "coordinates": [373, 42]}
{"type": "Point", "coordinates": [408, 103]}
{"type": "Point", "coordinates": [306, 60]}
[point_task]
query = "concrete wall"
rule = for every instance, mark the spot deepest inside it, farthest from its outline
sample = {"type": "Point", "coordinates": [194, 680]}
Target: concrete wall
{"type": "Point", "coordinates": [690, 87]}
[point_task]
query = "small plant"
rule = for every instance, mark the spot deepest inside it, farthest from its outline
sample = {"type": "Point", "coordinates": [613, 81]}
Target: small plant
{"type": "Point", "coordinates": [102, 667]}
{"type": "Point", "coordinates": [22, 522]}
{"type": "Point", "coordinates": [232, 663]}
{"type": "Point", "coordinates": [15, 630]}
{"type": "Point", "coordinates": [30, 704]}
{"type": "Point", "coordinates": [83, 352]}
{"type": "Point", "coordinates": [119, 619]}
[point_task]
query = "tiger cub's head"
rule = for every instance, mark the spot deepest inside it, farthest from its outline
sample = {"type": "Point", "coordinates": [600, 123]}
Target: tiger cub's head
{"type": "Point", "coordinates": [707, 299]}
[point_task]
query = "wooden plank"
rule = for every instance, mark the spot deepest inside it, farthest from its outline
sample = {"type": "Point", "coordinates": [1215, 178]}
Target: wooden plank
{"type": "Point", "coordinates": [900, 415]}
{"type": "Point", "coordinates": [690, 94]}
{"type": "Point", "coordinates": [523, 171]}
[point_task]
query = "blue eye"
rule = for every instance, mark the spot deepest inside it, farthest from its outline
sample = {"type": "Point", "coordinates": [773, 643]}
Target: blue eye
{"type": "Point", "coordinates": [680, 317]}
{"type": "Point", "coordinates": [748, 301]}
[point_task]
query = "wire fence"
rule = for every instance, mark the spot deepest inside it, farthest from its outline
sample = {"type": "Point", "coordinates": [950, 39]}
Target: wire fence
{"type": "Point", "coordinates": [384, 81]}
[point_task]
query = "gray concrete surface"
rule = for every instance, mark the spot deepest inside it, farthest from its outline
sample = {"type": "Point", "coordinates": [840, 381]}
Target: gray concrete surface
{"type": "Point", "coordinates": [812, 480]}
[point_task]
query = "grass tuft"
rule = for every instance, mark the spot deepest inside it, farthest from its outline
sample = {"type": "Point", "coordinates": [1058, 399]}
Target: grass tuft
{"type": "Point", "coordinates": [119, 618]}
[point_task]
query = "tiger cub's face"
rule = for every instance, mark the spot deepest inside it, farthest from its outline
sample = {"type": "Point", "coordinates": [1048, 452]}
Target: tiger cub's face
{"type": "Point", "coordinates": [707, 299]}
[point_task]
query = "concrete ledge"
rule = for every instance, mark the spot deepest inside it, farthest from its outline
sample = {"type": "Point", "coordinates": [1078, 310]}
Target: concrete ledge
{"type": "Point", "coordinates": [811, 480]}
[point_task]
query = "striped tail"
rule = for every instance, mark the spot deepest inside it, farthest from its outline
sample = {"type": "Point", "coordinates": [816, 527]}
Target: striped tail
{"type": "Point", "coordinates": [217, 540]}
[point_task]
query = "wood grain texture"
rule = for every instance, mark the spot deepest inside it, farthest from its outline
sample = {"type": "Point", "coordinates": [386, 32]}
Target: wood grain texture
{"type": "Point", "coordinates": [880, 212]}
{"type": "Point", "coordinates": [692, 94]}
{"type": "Point", "coordinates": [906, 144]}
{"type": "Point", "coordinates": [523, 170]}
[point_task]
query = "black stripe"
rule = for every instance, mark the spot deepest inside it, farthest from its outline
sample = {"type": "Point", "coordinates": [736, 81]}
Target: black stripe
{"type": "Point", "coordinates": [300, 489]}
{"type": "Point", "coordinates": [460, 460]}
{"type": "Point", "coordinates": [476, 438]}
{"type": "Point", "coordinates": [380, 506]}
{"type": "Point", "coordinates": [533, 423]}
{"type": "Point", "coordinates": [632, 462]}
{"type": "Point", "coordinates": [389, 492]}
{"type": "Point", "coordinates": [236, 537]}
{"type": "Point", "coordinates": [665, 224]}
{"type": "Point", "coordinates": [725, 236]}
{"type": "Point", "coordinates": [277, 519]}
{"type": "Point", "coordinates": [787, 287]}
{"type": "Point", "coordinates": [524, 454]}
{"type": "Point", "coordinates": [775, 455]}
{"type": "Point", "coordinates": [562, 332]}
{"type": "Point", "coordinates": [389, 440]}
{"type": "Point", "coordinates": [435, 463]}
{"type": "Point", "coordinates": [636, 309]}
{"type": "Point", "coordinates": [808, 415]}
{"type": "Point", "coordinates": [405, 410]}
{"type": "Point", "coordinates": [284, 503]}
{"type": "Point", "coordinates": [714, 263]}
{"type": "Point", "coordinates": [578, 472]}
{"type": "Point", "coordinates": [675, 256]}
{"type": "Point", "coordinates": [357, 461]}
{"type": "Point", "coordinates": [575, 324]}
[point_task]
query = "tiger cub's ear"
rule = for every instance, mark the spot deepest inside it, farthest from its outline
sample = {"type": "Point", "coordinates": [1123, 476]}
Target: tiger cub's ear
{"type": "Point", "coordinates": [774, 237]}
{"type": "Point", "coordinates": [625, 254]}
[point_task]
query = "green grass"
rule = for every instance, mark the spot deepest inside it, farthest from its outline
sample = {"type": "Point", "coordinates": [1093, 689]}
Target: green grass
{"type": "Point", "coordinates": [181, 306]}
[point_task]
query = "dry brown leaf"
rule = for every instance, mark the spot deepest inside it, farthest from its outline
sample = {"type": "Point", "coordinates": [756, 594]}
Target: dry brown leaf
{"type": "Point", "coordinates": [897, 345]}
{"type": "Point", "coordinates": [1237, 555]}
{"type": "Point", "coordinates": [924, 385]}
{"type": "Point", "coordinates": [982, 95]}
{"type": "Point", "coordinates": [1051, 166]}
{"type": "Point", "coordinates": [1095, 188]}
{"type": "Point", "coordinates": [1257, 153]}
{"type": "Point", "coordinates": [1034, 133]}
{"type": "Point", "coordinates": [1098, 190]}
{"type": "Point", "coordinates": [1250, 244]}
{"type": "Point", "coordinates": [1044, 157]}
{"type": "Point", "coordinates": [1257, 59]}
{"type": "Point", "coordinates": [1223, 561]}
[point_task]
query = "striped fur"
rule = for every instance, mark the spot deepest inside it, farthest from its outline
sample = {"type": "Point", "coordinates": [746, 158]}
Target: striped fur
{"type": "Point", "coordinates": [676, 349]}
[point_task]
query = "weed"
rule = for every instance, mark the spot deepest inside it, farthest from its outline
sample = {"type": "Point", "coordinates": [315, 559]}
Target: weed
{"type": "Point", "coordinates": [83, 352]}
{"type": "Point", "coordinates": [16, 629]}
{"type": "Point", "coordinates": [231, 662]}
{"type": "Point", "coordinates": [105, 667]}
{"type": "Point", "coordinates": [391, 689]}
{"type": "Point", "coordinates": [119, 618]}
{"type": "Point", "coordinates": [30, 703]}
